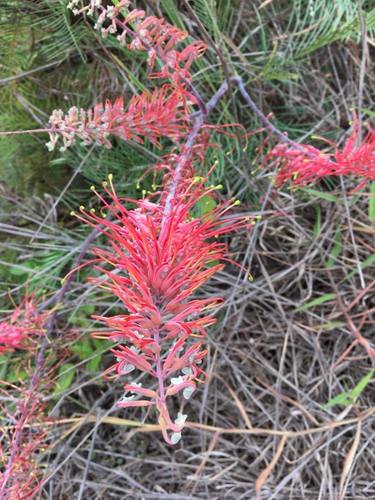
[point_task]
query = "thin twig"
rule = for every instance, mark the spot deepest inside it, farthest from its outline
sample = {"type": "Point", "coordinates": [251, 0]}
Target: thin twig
{"type": "Point", "coordinates": [370, 349]}
{"type": "Point", "coordinates": [25, 74]}
{"type": "Point", "coordinates": [362, 71]}
{"type": "Point", "coordinates": [282, 136]}
{"type": "Point", "coordinates": [255, 431]}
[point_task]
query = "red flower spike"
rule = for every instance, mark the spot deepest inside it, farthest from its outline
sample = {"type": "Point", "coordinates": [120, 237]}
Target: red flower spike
{"type": "Point", "coordinates": [149, 115]}
{"type": "Point", "coordinates": [147, 33]}
{"type": "Point", "coordinates": [11, 337]}
{"type": "Point", "coordinates": [304, 164]}
{"type": "Point", "coordinates": [21, 328]}
{"type": "Point", "coordinates": [20, 474]}
{"type": "Point", "coordinates": [155, 263]}
{"type": "Point", "coordinates": [21, 442]}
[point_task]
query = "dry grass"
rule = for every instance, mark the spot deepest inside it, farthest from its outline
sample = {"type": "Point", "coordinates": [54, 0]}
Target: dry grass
{"type": "Point", "coordinates": [260, 422]}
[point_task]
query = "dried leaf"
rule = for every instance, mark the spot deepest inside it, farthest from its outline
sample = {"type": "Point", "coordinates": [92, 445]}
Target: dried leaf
{"type": "Point", "coordinates": [263, 476]}
{"type": "Point", "coordinates": [349, 461]}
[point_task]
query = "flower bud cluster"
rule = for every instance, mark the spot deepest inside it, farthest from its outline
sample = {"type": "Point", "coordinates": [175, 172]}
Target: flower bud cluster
{"type": "Point", "coordinates": [149, 115]}
{"type": "Point", "coordinates": [137, 31]}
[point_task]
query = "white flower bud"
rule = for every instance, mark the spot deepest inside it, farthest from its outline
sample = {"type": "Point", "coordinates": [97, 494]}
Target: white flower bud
{"type": "Point", "coordinates": [177, 380]}
{"type": "Point", "coordinates": [175, 438]}
{"type": "Point", "coordinates": [187, 392]}
{"type": "Point", "coordinates": [181, 419]}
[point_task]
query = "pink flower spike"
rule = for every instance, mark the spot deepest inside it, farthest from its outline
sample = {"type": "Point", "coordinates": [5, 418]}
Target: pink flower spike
{"type": "Point", "coordinates": [148, 116]}
{"type": "Point", "coordinates": [306, 164]}
{"type": "Point", "coordinates": [11, 337]}
{"type": "Point", "coordinates": [22, 327]}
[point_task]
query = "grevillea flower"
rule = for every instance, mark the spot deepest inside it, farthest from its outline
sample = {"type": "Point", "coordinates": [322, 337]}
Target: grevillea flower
{"type": "Point", "coordinates": [304, 164]}
{"type": "Point", "coordinates": [11, 336]}
{"type": "Point", "coordinates": [149, 115]}
{"type": "Point", "coordinates": [147, 33]}
{"type": "Point", "coordinates": [162, 113]}
{"type": "Point", "coordinates": [157, 260]}
{"type": "Point", "coordinates": [21, 436]}
{"type": "Point", "coordinates": [22, 327]}
{"type": "Point", "coordinates": [21, 441]}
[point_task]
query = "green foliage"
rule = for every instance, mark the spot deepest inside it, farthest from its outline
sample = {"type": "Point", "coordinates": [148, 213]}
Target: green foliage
{"type": "Point", "coordinates": [90, 350]}
{"type": "Point", "coordinates": [331, 325]}
{"type": "Point", "coordinates": [48, 61]}
{"type": "Point", "coordinates": [320, 194]}
{"type": "Point", "coordinates": [368, 262]}
{"type": "Point", "coordinates": [10, 368]}
{"type": "Point", "coordinates": [335, 250]}
{"type": "Point", "coordinates": [371, 204]}
{"type": "Point", "coordinates": [65, 378]}
{"type": "Point", "coordinates": [125, 161]}
{"type": "Point", "coordinates": [60, 36]}
{"type": "Point", "coordinates": [86, 348]}
{"type": "Point", "coordinates": [206, 12]}
{"type": "Point", "coordinates": [316, 23]}
{"type": "Point", "coordinates": [41, 271]}
{"type": "Point", "coordinates": [327, 297]}
{"type": "Point", "coordinates": [173, 13]}
{"type": "Point", "coordinates": [350, 396]}
{"type": "Point", "coordinates": [204, 206]}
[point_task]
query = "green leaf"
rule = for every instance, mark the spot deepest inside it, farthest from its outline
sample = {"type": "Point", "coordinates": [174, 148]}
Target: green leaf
{"type": "Point", "coordinates": [16, 375]}
{"type": "Point", "coordinates": [91, 350]}
{"type": "Point", "coordinates": [336, 249]}
{"type": "Point", "coordinates": [204, 206]}
{"type": "Point", "coordinates": [332, 325]}
{"type": "Point", "coordinates": [369, 261]}
{"type": "Point", "coordinates": [318, 221]}
{"type": "Point", "coordinates": [81, 317]}
{"type": "Point", "coordinates": [21, 270]}
{"type": "Point", "coordinates": [371, 203]}
{"type": "Point", "coordinates": [316, 302]}
{"type": "Point", "coordinates": [349, 397]}
{"type": "Point", "coordinates": [341, 399]}
{"type": "Point", "coordinates": [362, 384]}
{"type": "Point", "coordinates": [94, 363]}
{"type": "Point", "coordinates": [82, 348]}
{"type": "Point", "coordinates": [213, 263]}
{"type": "Point", "coordinates": [174, 13]}
{"type": "Point", "coordinates": [321, 194]}
{"type": "Point", "coordinates": [4, 360]}
{"type": "Point", "coordinates": [323, 22]}
{"type": "Point", "coordinates": [99, 344]}
{"type": "Point", "coordinates": [368, 112]}
{"type": "Point", "coordinates": [65, 379]}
